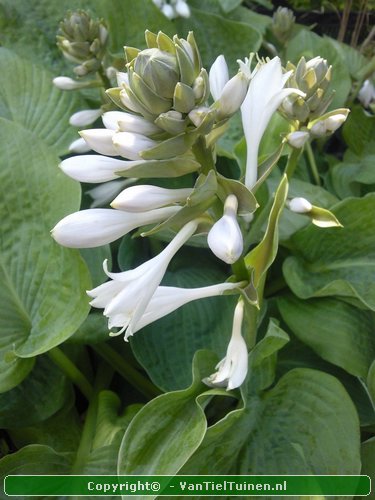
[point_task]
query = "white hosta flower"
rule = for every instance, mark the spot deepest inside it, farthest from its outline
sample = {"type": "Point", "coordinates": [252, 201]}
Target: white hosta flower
{"type": "Point", "coordinates": [145, 197]}
{"type": "Point", "coordinates": [100, 140]}
{"type": "Point", "coordinates": [98, 226]}
{"type": "Point", "coordinates": [228, 94]}
{"type": "Point", "coordinates": [168, 11]}
{"type": "Point", "coordinates": [126, 297]}
{"type": "Point", "coordinates": [66, 83]}
{"type": "Point", "coordinates": [264, 96]}
{"type": "Point", "coordinates": [126, 122]}
{"type": "Point", "coordinates": [299, 205]}
{"type": "Point", "coordinates": [367, 93]}
{"type": "Point", "coordinates": [329, 125]}
{"type": "Point", "coordinates": [95, 168]}
{"type": "Point", "coordinates": [298, 139]}
{"type": "Point", "coordinates": [104, 193]}
{"type": "Point", "coordinates": [232, 370]}
{"type": "Point", "coordinates": [79, 146]}
{"type": "Point", "coordinates": [129, 145]}
{"type": "Point", "coordinates": [84, 117]}
{"type": "Point", "coordinates": [167, 299]}
{"type": "Point", "coordinates": [225, 237]}
{"type": "Point", "coordinates": [122, 78]}
{"type": "Point", "coordinates": [182, 9]}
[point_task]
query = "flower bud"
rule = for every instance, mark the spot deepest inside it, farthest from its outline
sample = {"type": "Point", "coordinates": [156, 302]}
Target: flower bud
{"type": "Point", "coordinates": [367, 93]}
{"type": "Point", "coordinates": [66, 83]}
{"type": "Point", "coordinates": [182, 8]}
{"type": "Point", "coordinates": [225, 237]}
{"type": "Point", "coordinates": [129, 145]}
{"type": "Point", "coordinates": [299, 205]}
{"type": "Point", "coordinates": [282, 24]}
{"type": "Point", "coordinates": [168, 11]}
{"type": "Point", "coordinates": [298, 139]}
{"type": "Point", "coordinates": [232, 96]}
{"type": "Point", "coordinates": [84, 117]}
{"type": "Point", "coordinates": [100, 140]}
{"type": "Point", "coordinates": [127, 122]}
{"type": "Point", "coordinates": [142, 198]}
{"type": "Point", "coordinates": [218, 77]}
{"type": "Point", "coordinates": [79, 146]}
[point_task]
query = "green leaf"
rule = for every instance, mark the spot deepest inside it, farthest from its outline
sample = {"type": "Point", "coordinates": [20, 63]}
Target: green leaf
{"type": "Point", "coordinates": [262, 256]}
{"type": "Point", "coordinates": [29, 98]}
{"type": "Point", "coordinates": [306, 424]}
{"type": "Point", "coordinates": [43, 284]}
{"type": "Point", "coordinates": [228, 5]}
{"type": "Point", "coordinates": [167, 431]}
{"type": "Point", "coordinates": [359, 129]}
{"type": "Point", "coordinates": [350, 178]}
{"type": "Point", "coordinates": [92, 331]}
{"type": "Point", "coordinates": [94, 258]}
{"type": "Point", "coordinates": [43, 393]}
{"type": "Point", "coordinates": [337, 261]}
{"type": "Point", "coordinates": [338, 332]}
{"type": "Point", "coordinates": [368, 460]}
{"type": "Point", "coordinates": [371, 381]}
{"type": "Point", "coordinates": [166, 348]}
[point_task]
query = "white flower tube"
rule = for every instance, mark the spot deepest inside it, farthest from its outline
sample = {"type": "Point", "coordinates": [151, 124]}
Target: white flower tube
{"type": "Point", "coordinates": [129, 145]}
{"type": "Point", "coordinates": [167, 299]}
{"type": "Point", "coordinates": [95, 168]}
{"type": "Point", "coordinates": [79, 146]}
{"type": "Point", "coordinates": [126, 297]}
{"type": "Point", "coordinates": [264, 96]}
{"type": "Point", "coordinates": [218, 77]}
{"type": "Point", "coordinates": [84, 117]}
{"type": "Point", "coordinates": [232, 370]}
{"type": "Point", "coordinates": [225, 237]}
{"type": "Point", "coordinates": [100, 140]}
{"type": "Point", "coordinates": [145, 197]}
{"type": "Point", "coordinates": [99, 226]}
{"type": "Point", "coordinates": [126, 122]}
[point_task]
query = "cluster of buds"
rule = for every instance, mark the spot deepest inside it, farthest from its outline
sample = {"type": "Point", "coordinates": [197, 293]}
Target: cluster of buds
{"type": "Point", "coordinates": [163, 97]}
{"type": "Point", "coordinates": [283, 21]}
{"type": "Point", "coordinates": [83, 40]}
{"type": "Point", "coordinates": [173, 8]}
{"type": "Point", "coordinates": [308, 113]}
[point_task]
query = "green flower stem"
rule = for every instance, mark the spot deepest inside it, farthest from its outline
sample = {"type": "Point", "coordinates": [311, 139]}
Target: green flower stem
{"type": "Point", "coordinates": [103, 379]}
{"type": "Point", "coordinates": [104, 78]}
{"type": "Point", "coordinates": [71, 371]}
{"type": "Point", "coordinates": [292, 162]}
{"type": "Point", "coordinates": [240, 270]}
{"type": "Point", "coordinates": [312, 162]}
{"type": "Point", "coordinates": [204, 155]}
{"type": "Point", "coordinates": [129, 373]}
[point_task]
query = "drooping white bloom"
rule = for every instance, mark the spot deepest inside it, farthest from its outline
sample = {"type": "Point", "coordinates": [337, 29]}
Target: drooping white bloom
{"type": "Point", "coordinates": [299, 205]}
{"type": "Point", "coordinates": [129, 145]}
{"type": "Point", "coordinates": [232, 370]}
{"type": "Point", "coordinates": [182, 9]}
{"type": "Point", "coordinates": [167, 299]}
{"type": "Point", "coordinates": [100, 140]}
{"type": "Point", "coordinates": [95, 168]}
{"type": "Point", "coordinates": [126, 297]}
{"type": "Point", "coordinates": [228, 94]}
{"type": "Point", "coordinates": [84, 117]}
{"type": "Point", "coordinates": [98, 226]}
{"type": "Point", "coordinates": [146, 197]}
{"type": "Point", "coordinates": [328, 125]}
{"type": "Point", "coordinates": [104, 193]}
{"type": "Point", "coordinates": [264, 96]}
{"type": "Point", "coordinates": [298, 139]}
{"type": "Point", "coordinates": [126, 122]}
{"type": "Point", "coordinates": [79, 146]}
{"type": "Point", "coordinates": [66, 83]}
{"type": "Point", "coordinates": [367, 93]}
{"type": "Point", "coordinates": [225, 237]}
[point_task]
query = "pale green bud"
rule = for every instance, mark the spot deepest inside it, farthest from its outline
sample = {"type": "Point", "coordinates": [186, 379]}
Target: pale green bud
{"type": "Point", "coordinates": [282, 24]}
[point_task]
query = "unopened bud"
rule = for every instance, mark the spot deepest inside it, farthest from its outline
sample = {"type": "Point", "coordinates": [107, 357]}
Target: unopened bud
{"type": "Point", "coordinates": [299, 205]}
{"type": "Point", "coordinates": [146, 197]}
{"type": "Point", "coordinates": [66, 83]}
{"type": "Point", "coordinates": [182, 8]}
{"type": "Point", "coordinates": [298, 139]}
{"type": "Point", "coordinates": [367, 93]}
{"type": "Point", "coordinates": [79, 146]}
{"type": "Point", "coordinates": [84, 117]}
{"type": "Point", "coordinates": [197, 115]}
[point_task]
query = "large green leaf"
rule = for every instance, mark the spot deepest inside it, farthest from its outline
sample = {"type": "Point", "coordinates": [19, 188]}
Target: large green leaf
{"type": "Point", "coordinates": [28, 97]}
{"type": "Point", "coordinates": [43, 393]}
{"type": "Point", "coordinates": [43, 284]}
{"type": "Point", "coordinates": [350, 178]}
{"type": "Point", "coordinates": [359, 129]}
{"type": "Point", "coordinates": [306, 424]}
{"type": "Point", "coordinates": [167, 431]}
{"type": "Point", "coordinates": [166, 348]}
{"type": "Point", "coordinates": [337, 261]}
{"type": "Point", "coordinates": [368, 461]}
{"type": "Point", "coordinates": [338, 332]}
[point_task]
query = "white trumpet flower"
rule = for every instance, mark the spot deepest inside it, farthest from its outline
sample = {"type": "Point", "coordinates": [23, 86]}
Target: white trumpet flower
{"type": "Point", "coordinates": [99, 226]}
{"type": "Point", "coordinates": [85, 117]}
{"type": "Point", "coordinates": [264, 96]}
{"type": "Point", "coordinates": [225, 237]}
{"type": "Point", "coordinates": [167, 299]}
{"type": "Point", "coordinates": [232, 370]}
{"type": "Point", "coordinates": [126, 297]}
{"type": "Point", "coordinates": [95, 168]}
{"type": "Point", "coordinates": [146, 197]}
